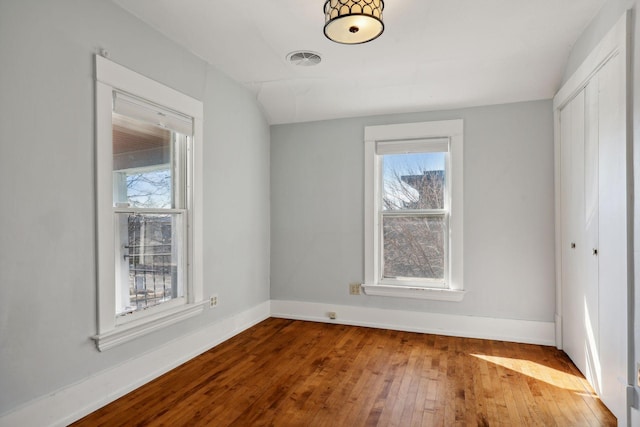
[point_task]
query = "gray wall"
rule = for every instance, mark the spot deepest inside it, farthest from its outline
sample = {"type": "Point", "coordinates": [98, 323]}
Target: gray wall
{"type": "Point", "coordinates": [47, 220]}
{"type": "Point", "coordinates": [317, 212]}
{"type": "Point", "coordinates": [595, 31]}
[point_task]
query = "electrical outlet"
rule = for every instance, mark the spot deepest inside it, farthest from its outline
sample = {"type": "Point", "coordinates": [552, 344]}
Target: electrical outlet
{"type": "Point", "coordinates": [355, 288]}
{"type": "Point", "coordinates": [332, 314]}
{"type": "Point", "coordinates": [213, 301]}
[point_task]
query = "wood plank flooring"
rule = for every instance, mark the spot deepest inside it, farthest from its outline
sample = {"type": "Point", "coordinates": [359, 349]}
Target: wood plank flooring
{"type": "Point", "coordinates": [294, 373]}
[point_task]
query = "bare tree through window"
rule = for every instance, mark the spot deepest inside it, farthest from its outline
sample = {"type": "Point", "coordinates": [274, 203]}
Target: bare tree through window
{"type": "Point", "coordinates": [413, 218]}
{"type": "Point", "coordinates": [149, 189]}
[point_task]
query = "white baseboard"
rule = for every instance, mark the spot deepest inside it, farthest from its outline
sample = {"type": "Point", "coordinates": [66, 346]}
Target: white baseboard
{"type": "Point", "coordinates": [77, 400]}
{"type": "Point", "coordinates": [521, 331]}
{"type": "Point", "coordinates": [558, 331]}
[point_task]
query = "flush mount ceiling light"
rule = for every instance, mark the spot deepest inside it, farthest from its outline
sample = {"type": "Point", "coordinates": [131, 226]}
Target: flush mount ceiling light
{"type": "Point", "coordinates": [353, 21]}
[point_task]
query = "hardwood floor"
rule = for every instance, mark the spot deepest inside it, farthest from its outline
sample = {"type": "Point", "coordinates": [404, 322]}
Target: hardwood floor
{"type": "Point", "coordinates": [294, 373]}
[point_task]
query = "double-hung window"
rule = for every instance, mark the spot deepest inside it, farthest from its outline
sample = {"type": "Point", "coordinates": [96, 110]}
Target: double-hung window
{"type": "Point", "coordinates": [413, 208]}
{"type": "Point", "coordinates": [149, 217]}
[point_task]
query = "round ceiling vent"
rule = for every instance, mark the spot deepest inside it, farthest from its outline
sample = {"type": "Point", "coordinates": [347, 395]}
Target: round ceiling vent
{"type": "Point", "coordinates": [304, 58]}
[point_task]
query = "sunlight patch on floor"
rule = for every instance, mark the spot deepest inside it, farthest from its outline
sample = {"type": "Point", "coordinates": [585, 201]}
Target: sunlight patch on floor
{"type": "Point", "coordinates": [539, 372]}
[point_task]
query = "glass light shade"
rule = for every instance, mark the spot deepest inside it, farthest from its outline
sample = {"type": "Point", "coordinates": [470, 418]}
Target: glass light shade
{"type": "Point", "coordinates": [353, 21]}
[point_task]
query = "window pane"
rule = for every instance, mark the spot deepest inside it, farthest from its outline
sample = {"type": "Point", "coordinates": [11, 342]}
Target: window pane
{"type": "Point", "coordinates": [413, 181]}
{"type": "Point", "coordinates": [414, 247]}
{"type": "Point", "coordinates": [150, 189]}
{"type": "Point", "coordinates": [149, 268]}
{"type": "Point", "coordinates": [143, 159]}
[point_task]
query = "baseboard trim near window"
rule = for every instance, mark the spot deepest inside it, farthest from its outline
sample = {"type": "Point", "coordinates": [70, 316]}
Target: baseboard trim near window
{"type": "Point", "coordinates": [520, 331]}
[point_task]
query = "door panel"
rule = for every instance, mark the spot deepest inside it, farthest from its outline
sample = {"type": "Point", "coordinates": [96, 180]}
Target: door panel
{"type": "Point", "coordinates": [572, 188]}
{"type": "Point", "coordinates": [613, 250]}
{"type": "Point", "coordinates": [591, 226]}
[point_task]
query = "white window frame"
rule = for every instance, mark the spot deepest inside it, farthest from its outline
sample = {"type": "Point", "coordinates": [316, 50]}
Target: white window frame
{"type": "Point", "coordinates": [403, 138]}
{"type": "Point", "coordinates": [113, 331]}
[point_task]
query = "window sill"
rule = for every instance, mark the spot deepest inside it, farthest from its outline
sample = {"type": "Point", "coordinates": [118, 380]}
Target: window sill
{"type": "Point", "coordinates": [134, 329]}
{"type": "Point", "coordinates": [434, 294]}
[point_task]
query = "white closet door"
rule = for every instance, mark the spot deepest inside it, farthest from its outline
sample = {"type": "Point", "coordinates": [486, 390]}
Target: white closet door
{"type": "Point", "coordinates": [593, 212]}
{"type": "Point", "coordinates": [572, 125]}
{"type": "Point", "coordinates": [590, 231]}
{"type": "Point", "coordinates": [613, 244]}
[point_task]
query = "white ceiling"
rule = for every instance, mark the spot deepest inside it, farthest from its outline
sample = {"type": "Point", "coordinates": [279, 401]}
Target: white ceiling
{"type": "Point", "coordinates": [433, 54]}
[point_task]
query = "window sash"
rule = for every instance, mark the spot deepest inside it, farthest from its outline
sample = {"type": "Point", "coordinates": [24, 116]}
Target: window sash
{"type": "Point", "coordinates": [120, 253]}
{"type": "Point", "coordinates": [178, 165]}
{"type": "Point", "coordinates": [181, 128]}
{"type": "Point", "coordinates": [414, 281]}
{"type": "Point", "coordinates": [433, 145]}
{"type": "Point", "coordinates": [417, 146]}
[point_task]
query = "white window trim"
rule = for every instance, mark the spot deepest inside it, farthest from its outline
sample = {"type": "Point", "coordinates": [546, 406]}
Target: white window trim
{"type": "Point", "coordinates": [109, 77]}
{"type": "Point", "coordinates": [453, 131]}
